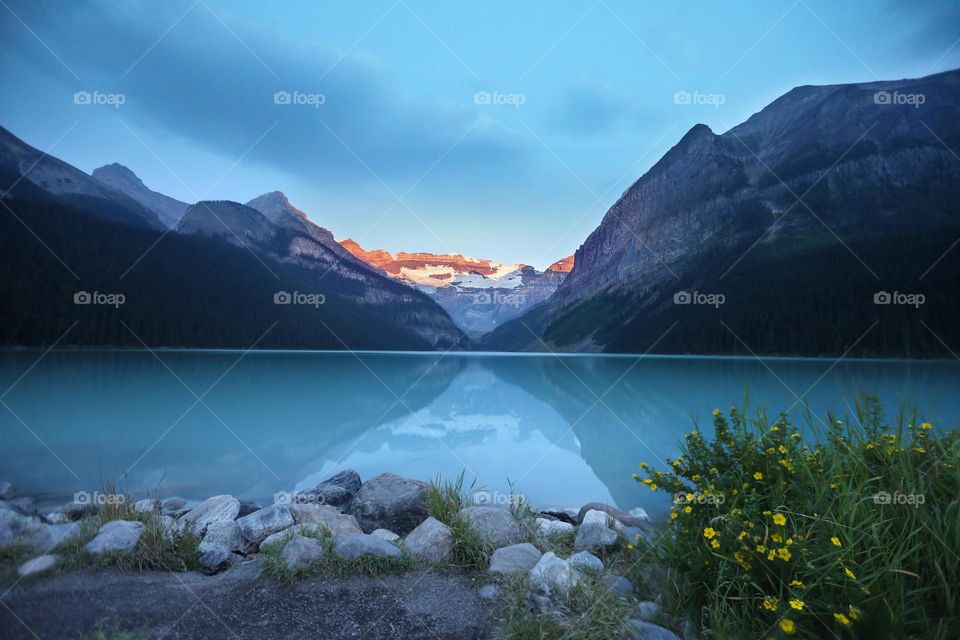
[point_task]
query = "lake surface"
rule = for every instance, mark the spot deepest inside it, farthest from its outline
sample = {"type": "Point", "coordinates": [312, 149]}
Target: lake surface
{"type": "Point", "coordinates": [563, 430]}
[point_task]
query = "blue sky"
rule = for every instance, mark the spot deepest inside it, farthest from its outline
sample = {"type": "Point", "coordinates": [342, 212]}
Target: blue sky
{"type": "Point", "coordinates": [406, 152]}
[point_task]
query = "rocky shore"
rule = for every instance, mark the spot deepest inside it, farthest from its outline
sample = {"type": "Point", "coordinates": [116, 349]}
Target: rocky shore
{"type": "Point", "coordinates": [352, 529]}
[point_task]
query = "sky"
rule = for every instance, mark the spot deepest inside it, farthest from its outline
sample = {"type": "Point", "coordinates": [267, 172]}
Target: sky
{"type": "Point", "coordinates": [497, 129]}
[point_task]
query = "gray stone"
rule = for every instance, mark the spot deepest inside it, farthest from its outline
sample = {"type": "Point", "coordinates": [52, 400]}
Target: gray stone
{"type": "Point", "coordinates": [337, 491]}
{"type": "Point", "coordinates": [260, 524]}
{"type": "Point", "coordinates": [57, 517]}
{"type": "Point", "coordinates": [300, 552]}
{"type": "Point", "coordinates": [494, 525]}
{"type": "Point", "coordinates": [517, 558]}
{"type": "Point", "coordinates": [624, 517]}
{"type": "Point", "coordinates": [17, 528]}
{"type": "Point", "coordinates": [223, 535]}
{"type": "Point", "coordinates": [354, 545]}
{"type": "Point", "coordinates": [247, 507]}
{"type": "Point", "coordinates": [594, 536]}
{"type": "Point", "coordinates": [586, 560]}
{"type": "Point", "coordinates": [432, 541]}
{"type": "Point", "coordinates": [297, 529]}
{"type": "Point", "coordinates": [601, 517]}
{"type": "Point", "coordinates": [649, 611]}
{"type": "Point", "coordinates": [49, 536]}
{"type": "Point", "coordinates": [618, 585]}
{"type": "Point", "coordinates": [214, 560]}
{"type": "Point", "coordinates": [174, 504]}
{"type": "Point", "coordinates": [550, 528]}
{"type": "Point", "coordinates": [489, 592]}
{"type": "Point", "coordinates": [221, 508]}
{"type": "Point", "coordinates": [640, 514]}
{"type": "Point", "coordinates": [385, 534]}
{"type": "Point", "coordinates": [146, 505]}
{"type": "Point", "coordinates": [38, 565]}
{"type": "Point", "coordinates": [390, 502]}
{"type": "Point", "coordinates": [553, 575]}
{"type": "Point", "coordinates": [640, 630]}
{"type": "Point", "coordinates": [7, 490]}
{"type": "Point", "coordinates": [325, 515]}
{"type": "Point", "coordinates": [78, 510]}
{"type": "Point", "coordinates": [25, 504]}
{"type": "Point", "coordinates": [117, 536]}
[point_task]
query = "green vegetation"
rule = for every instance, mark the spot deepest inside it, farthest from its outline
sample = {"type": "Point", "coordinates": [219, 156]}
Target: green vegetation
{"type": "Point", "coordinates": [853, 535]}
{"type": "Point", "coordinates": [445, 499]}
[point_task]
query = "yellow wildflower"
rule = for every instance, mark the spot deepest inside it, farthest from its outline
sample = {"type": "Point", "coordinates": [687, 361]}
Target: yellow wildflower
{"type": "Point", "coordinates": [653, 486]}
{"type": "Point", "coordinates": [926, 425]}
{"type": "Point", "coordinates": [788, 627]}
{"type": "Point", "coordinates": [796, 583]}
{"type": "Point", "coordinates": [770, 603]}
{"type": "Point", "coordinates": [842, 619]}
{"type": "Point", "coordinates": [849, 573]}
{"type": "Point", "coordinates": [743, 534]}
{"type": "Point", "coordinates": [784, 553]}
{"type": "Point", "coordinates": [761, 549]}
{"type": "Point", "coordinates": [796, 604]}
{"type": "Point", "coordinates": [779, 519]}
{"type": "Point", "coordinates": [716, 412]}
{"type": "Point", "coordinates": [776, 537]}
{"type": "Point", "coordinates": [673, 515]}
{"type": "Point", "coordinates": [782, 449]}
{"type": "Point", "coordinates": [836, 541]}
{"type": "Point", "coordinates": [758, 476]}
{"type": "Point", "coordinates": [853, 612]}
{"type": "Point", "coordinates": [715, 544]}
{"type": "Point", "coordinates": [771, 555]}
{"type": "Point", "coordinates": [688, 509]}
{"type": "Point", "coordinates": [709, 532]}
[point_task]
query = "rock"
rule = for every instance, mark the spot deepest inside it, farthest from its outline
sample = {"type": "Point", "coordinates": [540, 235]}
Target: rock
{"type": "Point", "coordinates": [489, 592]}
{"type": "Point", "coordinates": [553, 575]}
{"type": "Point", "coordinates": [57, 517]}
{"type": "Point", "coordinates": [431, 541]}
{"type": "Point", "coordinates": [117, 536]}
{"type": "Point", "coordinates": [146, 505]}
{"type": "Point", "coordinates": [618, 585]}
{"type": "Point", "coordinates": [223, 535]}
{"type": "Point", "coordinates": [549, 528]}
{"type": "Point", "coordinates": [640, 630]}
{"type": "Point", "coordinates": [300, 552]}
{"type": "Point", "coordinates": [601, 517]}
{"type": "Point", "coordinates": [170, 527]}
{"type": "Point", "coordinates": [541, 603]}
{"type": "Point", "coordinates": [594, 536]}
{"type": "Point", "coordinates": [385, 534]}
{"type": "Point", "coordinates": [586, 560]}
{"type": "Point", "coordinates": [260, 524]}
{"type": "Point", "coordinates": [38, 565]}
{"type": "Point", "coordinates": [354, 545]}
{"type": "Point", "coordinates": [247, 507]}
{"type": "Point", "coordinates": [221, 508]}
{"type": "Point", "coordinates": [326, 516]}
{"type": "Point", "coordinates": [517, 558]}
{"type": "Point", "coordinates": [624, 517]}
{"type": "Point", "coordinates": [337, 491]}
{"type": "Point", "coordinates": [18, 528]}
{"type": "Point", "coordinates": [567, 514]}
{"type": "Point", "coordinates": [649, 611]}
{"type": "Point", "coordinates": [7, 490]}
{"type": "Point", "coordinates": [297, 529]}
{"type": "Point", "coordinates": [175, 503]}
{"type": "Point", "coordinates": [49, 536]}
{"type": "Point", "coordinates": [78, 510]}
{"type": "Point", "coordinates": [214, 560]}
{"type": "Point", "coordinates": [390, 502]}
{"type": "Point", "coordinates": [640, 514]}
{"type": "Point", "coordinates": [494, 525]}
{"type": "Point", "coordinates": [24, 504]}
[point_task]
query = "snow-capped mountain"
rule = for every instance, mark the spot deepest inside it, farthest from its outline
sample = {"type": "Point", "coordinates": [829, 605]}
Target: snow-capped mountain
{"type": "Point", "coordinates": [478, 294]}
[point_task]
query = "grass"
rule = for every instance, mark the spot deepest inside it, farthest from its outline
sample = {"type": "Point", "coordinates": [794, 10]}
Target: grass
{"type": "Point", "coordinates": [330, 564]}
{"type": "Point", "coordinates": [772, 536]}
{"type": "Point", "coordinates": [445, 499]}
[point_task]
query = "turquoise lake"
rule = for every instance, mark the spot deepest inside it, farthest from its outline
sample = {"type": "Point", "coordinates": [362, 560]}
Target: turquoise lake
{"type": "Point", "coordinates": [562, 430]}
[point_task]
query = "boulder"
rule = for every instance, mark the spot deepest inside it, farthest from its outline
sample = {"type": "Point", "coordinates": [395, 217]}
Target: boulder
{"type": "Point", "coordinates": [7, 490]}
{"type": "Point", "coordinates": [37, 565]}
{"type": "Point", "coordinates": [432, 541]}
{"type": "Point", "coordinates": [326, 516]}
{"type": "Point", "coordinates": [117, 536]}
{"type": "Point", "coordinates": [618, 585]}
{"type": "Point", "coordinates": [649, 611]}
{"type": "Point", "coordinates": [489, 592]}
{"type": "Point", "coordinates": [214, 560]}
{"type": "Point", "coordinates": [223, 535]}
{"type": "Point", "coordinates": [494, 525]}
{"type": "Point", "coordinates": [622, 516]}
{"type": "Point", "coordinates": [385, 534]}
{"type": "Point", "coordinates": [517, 558]}
{"type": "Point", "coordinates": [390, 502]}
{"type": "Point", "coordinates": [594, 536]}
{"type": "Point", "coordinates": [337, 491]}
{"type": "Point", "coordinates": [566, 514]}
{"type": "Point", "coordinates": [553, 575]}
{"type": "Point", "coordinates": [247, 507]}
{"type": "Point", "coordinates": [586, 560]}
{"type": "Point", "coordinates": [297, 529]}
{"type": "Point", "coordinates": [260, 524]}
{"type": "Point", "coordinates": [78, 510]}
{"type": "Point", "coordinates": [549, 528]}
{"type": "Point", "coordinates": [25, 504]}
{"type": "Point", "coordinates": [57, 517]}
{"type": "Point", "coordinates": [601, 517]}
{"type": "Point", "coordinates": [300, 552]}
{"type": "Point", "coordinates": [173, 504]}
{"type": "Point", "coordinates": [640, 630]}
{"type": "Point", "coordinates": [17, 528]}
{"type": "Point", "coordinates": [221, 508]}
{"type": "Point", "coordinates": [354, 545]}
{"type": "Point", "coordinates": [146, 505]}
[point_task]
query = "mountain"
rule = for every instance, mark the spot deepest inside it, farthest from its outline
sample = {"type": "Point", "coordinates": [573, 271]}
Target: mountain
{"type": "Point", "coordinates": [69, 185]}
{"type": "Point", "coordinates": [873, 169]}
{"type": "Point", "coordinates": [479, 294]}
{"type": "Point", "coordinates": [226, 277]}
{"type": "Point", "coordinates": [118, 177]}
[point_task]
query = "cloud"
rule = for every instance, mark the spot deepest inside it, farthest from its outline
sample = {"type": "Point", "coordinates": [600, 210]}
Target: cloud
{"type": "Point", "coordinates": [590, 107]}
{"type": "Point", "coordinates": [331, 117]}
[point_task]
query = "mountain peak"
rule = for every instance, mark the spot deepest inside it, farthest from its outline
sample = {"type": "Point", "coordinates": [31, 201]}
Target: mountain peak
{"type": "Point", "coordinates": [118, 171]}
{"type": "Point", "coordinates": [275, 205]}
